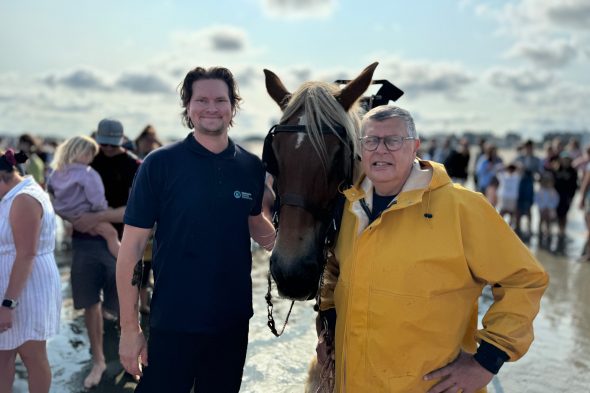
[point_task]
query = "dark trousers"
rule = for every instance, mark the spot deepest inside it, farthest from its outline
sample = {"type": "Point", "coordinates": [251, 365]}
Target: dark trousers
{"type": "Point", "coordinates": [210, 362]}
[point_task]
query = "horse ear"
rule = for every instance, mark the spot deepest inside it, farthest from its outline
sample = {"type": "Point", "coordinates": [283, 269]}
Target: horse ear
{"type": "Point", "coordinates": [276, 89]}
{"type": "Point", "coordinates": [356, 87]}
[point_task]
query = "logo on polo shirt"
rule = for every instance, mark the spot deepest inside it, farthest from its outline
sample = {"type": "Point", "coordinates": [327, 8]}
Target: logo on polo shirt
{"type": "Point", "coordinates": [242, 195]}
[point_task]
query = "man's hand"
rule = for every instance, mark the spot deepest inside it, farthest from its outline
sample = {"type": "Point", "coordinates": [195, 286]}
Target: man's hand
{"type": "Point", "coordinates": [133, 351]}
{"type": "Point", "coordinates": [86, 222]}
{"type": "Point", "coordinates": [464, 374]}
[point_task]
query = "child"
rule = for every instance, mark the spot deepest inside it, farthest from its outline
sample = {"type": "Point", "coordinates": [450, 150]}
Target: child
{"type": "Point", "coordinates": [76, 188]}
{"type": "Point", "coordinates": [509, 181]}
{"type": "Point", "coordinates": [546, 200]}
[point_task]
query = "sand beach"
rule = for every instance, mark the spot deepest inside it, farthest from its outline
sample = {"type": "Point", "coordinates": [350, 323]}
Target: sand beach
{"type": "Point", "coordinates": [559, 359]}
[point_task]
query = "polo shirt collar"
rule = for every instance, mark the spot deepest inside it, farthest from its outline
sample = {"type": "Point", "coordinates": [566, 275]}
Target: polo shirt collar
{"type": "Point", "coordinates": [195, 146]}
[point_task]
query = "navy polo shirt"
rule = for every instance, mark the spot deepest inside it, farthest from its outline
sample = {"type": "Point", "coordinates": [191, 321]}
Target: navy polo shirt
{"type": "Point", "coordinates": [200, 202]}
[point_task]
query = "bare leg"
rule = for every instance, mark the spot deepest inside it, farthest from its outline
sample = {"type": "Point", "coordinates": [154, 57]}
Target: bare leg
{"type": "Point", "coordinates": [542, 222]}
{"type": "Point", "coordinates": [144, 300]}
{"type": "Point", "coordinates": [586, 255]}
{"type": "Point", "coordinates": [109, 233]}
{"type": "Point", "coordinates": [529, 222]}
{"type": "Point", "coordinates": [93, 319]}
{"type": "Point", "coordinates": [562, 221]}
{"type": "Point", "coordinates": [34, 356]}
{"type": "Point", "coordinates": [517, 218]}
{"type": "Point", "coordinates": [7, 369]}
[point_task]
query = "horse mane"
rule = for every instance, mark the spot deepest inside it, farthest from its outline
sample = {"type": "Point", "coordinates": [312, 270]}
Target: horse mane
{"type": "Point", "coordinates": [321, 109]}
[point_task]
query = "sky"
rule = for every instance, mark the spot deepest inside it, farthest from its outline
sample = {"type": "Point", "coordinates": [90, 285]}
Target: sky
{"type": "Point", "coordinates": [465, 65]}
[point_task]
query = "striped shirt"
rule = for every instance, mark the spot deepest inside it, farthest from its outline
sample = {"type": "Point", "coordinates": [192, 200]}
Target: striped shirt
{"type": "Point", "coordinates": [38, 313]}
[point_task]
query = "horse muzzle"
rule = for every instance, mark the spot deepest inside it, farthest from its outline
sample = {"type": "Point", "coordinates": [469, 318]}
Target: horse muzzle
{"type": "Point", "coordinates": [296, 279]}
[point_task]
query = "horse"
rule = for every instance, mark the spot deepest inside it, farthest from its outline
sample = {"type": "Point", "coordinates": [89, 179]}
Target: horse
{"type": "Point", "coordinates": [311, 154]}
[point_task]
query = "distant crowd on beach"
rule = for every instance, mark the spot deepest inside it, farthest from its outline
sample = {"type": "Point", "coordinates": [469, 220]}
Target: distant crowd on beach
{"type": "Point", "coordinates": [522, 180]}
{"type": "Point", "coordinates": [514, 184]}
{"type": "Point", "coordinates": [41, 150]}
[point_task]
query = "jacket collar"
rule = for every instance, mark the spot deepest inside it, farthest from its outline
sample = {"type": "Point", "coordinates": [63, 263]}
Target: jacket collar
{"type": "Point", "coordinates": [424, 176]}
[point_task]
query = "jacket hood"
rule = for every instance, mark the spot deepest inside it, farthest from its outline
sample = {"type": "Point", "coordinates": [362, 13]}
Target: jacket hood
{"type": "Point", "coordinates": [425, 175]}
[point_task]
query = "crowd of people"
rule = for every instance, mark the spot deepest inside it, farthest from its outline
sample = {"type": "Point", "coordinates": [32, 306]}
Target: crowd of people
{"type": "Point", "coordinates": [186, 199]}
{"type": "Point", "coordinates": [95, 184]}
{"type": "Point", "coordinates": [522, 180]}
{"type": "Point", "coordinates": [86, 181]}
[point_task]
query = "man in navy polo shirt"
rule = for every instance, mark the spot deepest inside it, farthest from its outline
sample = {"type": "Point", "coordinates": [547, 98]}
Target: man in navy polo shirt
{"type": "Point", "coordinates": [205, 195]}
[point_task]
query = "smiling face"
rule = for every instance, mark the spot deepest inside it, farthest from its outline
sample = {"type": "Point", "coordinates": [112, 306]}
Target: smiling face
{"type": "Point", "coordinates": [388, 170]}
{"type": "Point", "coordinates": [210, 109]}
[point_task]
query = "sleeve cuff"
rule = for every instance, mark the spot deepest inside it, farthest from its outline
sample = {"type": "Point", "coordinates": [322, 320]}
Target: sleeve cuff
{"type": "Point", "coordinates": [490, 357]}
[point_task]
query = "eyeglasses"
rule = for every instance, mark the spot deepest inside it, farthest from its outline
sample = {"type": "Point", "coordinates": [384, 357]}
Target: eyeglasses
{"type": "Point", "coordinates": [391, 142]}
{"type": "Point", "coordinates": [108, 145]}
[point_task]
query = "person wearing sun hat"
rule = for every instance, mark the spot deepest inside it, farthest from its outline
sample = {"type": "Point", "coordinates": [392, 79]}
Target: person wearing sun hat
{"type": "Point", "coordinates": [93, 266]}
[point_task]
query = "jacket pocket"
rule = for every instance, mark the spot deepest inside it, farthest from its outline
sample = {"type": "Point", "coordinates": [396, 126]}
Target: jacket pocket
{"type": "Point", "coordinates": [409, 336]}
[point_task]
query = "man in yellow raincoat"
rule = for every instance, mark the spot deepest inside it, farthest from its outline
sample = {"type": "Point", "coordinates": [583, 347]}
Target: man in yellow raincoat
{"type": "Point", "coordinates": [414, 252]}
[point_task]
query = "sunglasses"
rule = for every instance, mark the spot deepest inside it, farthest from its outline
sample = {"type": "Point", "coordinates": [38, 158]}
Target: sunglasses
{"type": "Point", "coordinates": [107, 145]}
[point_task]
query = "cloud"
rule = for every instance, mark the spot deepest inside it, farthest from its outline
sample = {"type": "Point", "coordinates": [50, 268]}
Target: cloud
{"type": "Point", "coordinates": [247, 76]}
{"type": "Point", "coordinates": [70, 107]}
{"type": "Point", "coordinates": [421, 77]}
{"type": "Point", "coordinates": [547, 54]}
{"type": "Point", "coordinates": [531, 17]}
{"type": "Point", "coordinates": [566, 96]}
{"type": "Point", "coordinates": [228, 40]}
{"type": "Point", "coordinates": [83, 78]}
{"type": "Point", "coordinates": [219, 38]}
{"type": "Point", "coordinates": [143, 83]}
{"type": "Point", "coordinates": [570, 13]}
{"type": "Point", "coordinates": [519, 80]}
{"type": "Point", "coordinates": [301, 74]}
{"type": "Point", "coordinates": [96, 81]}
{"type": "Point", "coordinates": [298, 9]}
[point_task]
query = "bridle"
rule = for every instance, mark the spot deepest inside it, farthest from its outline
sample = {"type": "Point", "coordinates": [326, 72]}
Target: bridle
{"type": "Point", "coordinates": [331, 212]}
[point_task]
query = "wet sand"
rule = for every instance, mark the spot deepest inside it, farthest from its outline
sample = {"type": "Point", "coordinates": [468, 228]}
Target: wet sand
{"type": "Point", "coordinates": [559, 359]}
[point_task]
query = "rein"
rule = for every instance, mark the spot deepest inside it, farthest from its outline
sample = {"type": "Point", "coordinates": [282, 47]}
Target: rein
{"type": "Point", "coordinates": [331, 218]}
{"type": "Point", "coordinates": [269, 308]}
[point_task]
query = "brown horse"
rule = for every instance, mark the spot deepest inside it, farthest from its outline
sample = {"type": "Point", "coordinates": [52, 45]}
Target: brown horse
{"type": "Point", "coordinates": [311, 154]}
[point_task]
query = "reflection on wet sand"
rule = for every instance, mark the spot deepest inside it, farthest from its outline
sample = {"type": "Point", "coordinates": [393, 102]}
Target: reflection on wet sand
{"type": "Point", "coordinates": [559, 359]}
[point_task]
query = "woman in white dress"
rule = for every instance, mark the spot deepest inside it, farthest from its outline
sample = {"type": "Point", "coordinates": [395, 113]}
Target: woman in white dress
{"type": "Point", "coordinates": [30, 288]}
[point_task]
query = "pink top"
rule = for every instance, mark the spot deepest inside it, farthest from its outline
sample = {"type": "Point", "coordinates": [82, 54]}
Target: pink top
{"type": "Point", "coordinates": [76, 189]}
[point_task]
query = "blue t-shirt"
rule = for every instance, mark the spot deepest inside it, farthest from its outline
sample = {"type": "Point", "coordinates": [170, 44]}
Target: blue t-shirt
{"type": "Point", "coordinates": [200, 202]}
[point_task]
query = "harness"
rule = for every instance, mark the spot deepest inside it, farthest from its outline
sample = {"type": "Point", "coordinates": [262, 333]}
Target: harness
{"type": "Point", "coordinates": [329, 215]}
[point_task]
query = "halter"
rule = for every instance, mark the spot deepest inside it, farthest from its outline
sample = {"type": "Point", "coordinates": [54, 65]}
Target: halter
{"type": "Point", "coordinates": [322, 214]}
{"type": "Point", "coordinates": [297, 200]}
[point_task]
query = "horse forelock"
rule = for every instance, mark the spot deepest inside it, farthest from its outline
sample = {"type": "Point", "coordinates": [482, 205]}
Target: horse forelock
{"type": "Point", "coordinates": [316, 101]}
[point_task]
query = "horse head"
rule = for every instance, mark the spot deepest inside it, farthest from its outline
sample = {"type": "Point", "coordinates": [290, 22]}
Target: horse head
{"type": "Point", "coordinates": [311, 154]}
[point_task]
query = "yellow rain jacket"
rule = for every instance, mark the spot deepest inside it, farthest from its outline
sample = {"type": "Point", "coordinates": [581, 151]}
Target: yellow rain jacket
{"type": "Point", "coordinates": [408, 284]}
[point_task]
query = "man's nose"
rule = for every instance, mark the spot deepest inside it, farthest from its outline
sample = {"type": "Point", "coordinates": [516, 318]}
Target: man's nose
{"type": "Point", "coordinates": [381, 148]}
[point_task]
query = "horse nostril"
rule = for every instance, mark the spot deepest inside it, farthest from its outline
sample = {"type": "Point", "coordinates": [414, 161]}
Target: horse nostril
{"type": "Point", "coordinates": [296, 279]}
